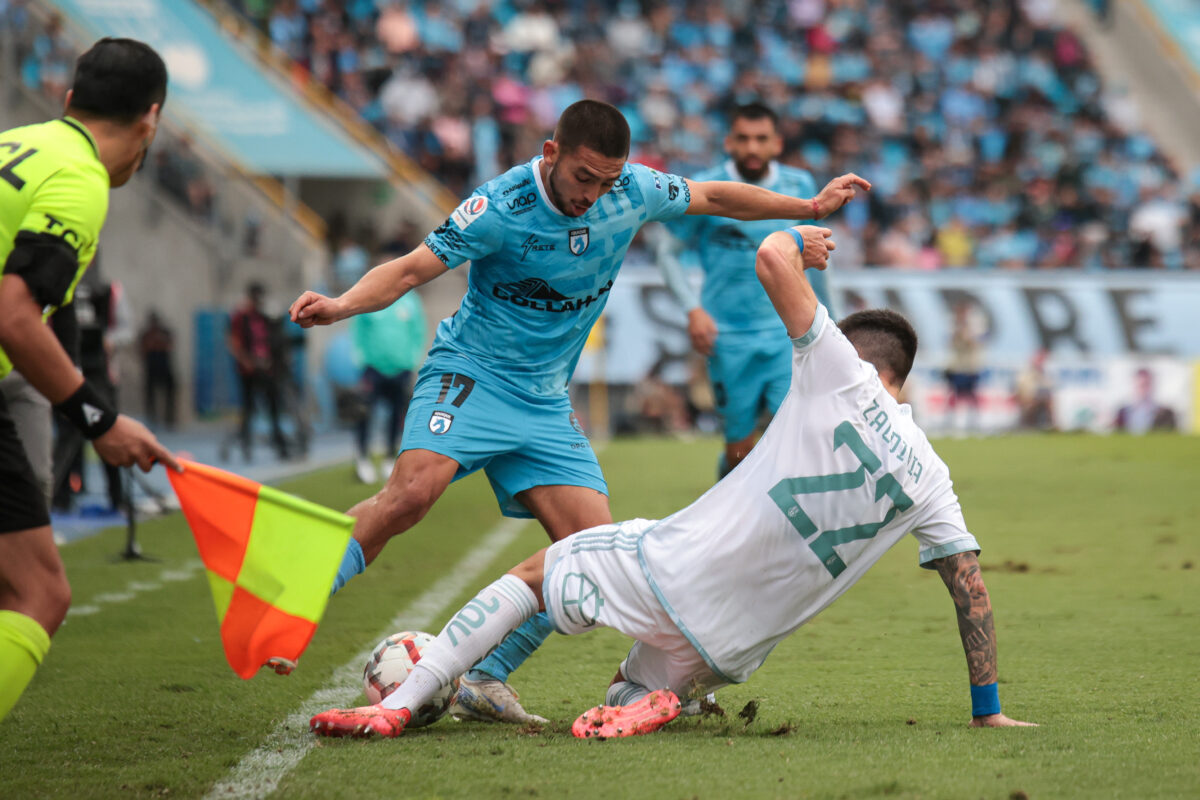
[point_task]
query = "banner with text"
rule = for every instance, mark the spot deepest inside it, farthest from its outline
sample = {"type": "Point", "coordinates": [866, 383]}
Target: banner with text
{"type": "Point", "coordinates": [1098, 331]}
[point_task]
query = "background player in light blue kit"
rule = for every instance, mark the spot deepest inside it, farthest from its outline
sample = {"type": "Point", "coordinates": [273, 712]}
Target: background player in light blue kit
{"type": "Point", "coordinates": [546, 240]}
{"type": "Point", "coordinates": [732, 321]}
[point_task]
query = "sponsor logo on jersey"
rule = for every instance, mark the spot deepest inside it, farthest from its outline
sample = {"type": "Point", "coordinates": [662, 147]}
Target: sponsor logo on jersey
{"type": "Point", "coordinates": [70, 236]}
{"type": "Point", "coordinates": [577, 240]}
{"type": "Point", "coordinates": [536, 294]}
{"type": "Point", "coordinates": [450, 237]}
{"type": "Point", "coordinates": [581, 600]}
{"type": "Point", "coordinates": [469, 210]}
{"type": "Point", "coordinates": [516, 187]}
{"type": "Point", "coordinates": [621, 186]}
{"type": "Point", "coordinates": [535, 245]}
{"type": "Point", "coordinates": [437, 250]}
{"type": "Point", "coordinates": [575, 423]}
{"type": "Point", "coordinates": [522, 203]}
{"type": "Point", "coordinates": [440, 422]}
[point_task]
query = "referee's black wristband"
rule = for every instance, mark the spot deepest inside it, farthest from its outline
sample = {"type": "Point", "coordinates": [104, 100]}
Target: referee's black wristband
{"type": "Point", "coordinates": [88, 411]}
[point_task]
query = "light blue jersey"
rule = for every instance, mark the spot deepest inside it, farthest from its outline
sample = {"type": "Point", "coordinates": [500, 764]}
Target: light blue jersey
{"type": "Point", "coordinates": [539, 279]}
{"type": "Point", "coordinates": [726, 248]}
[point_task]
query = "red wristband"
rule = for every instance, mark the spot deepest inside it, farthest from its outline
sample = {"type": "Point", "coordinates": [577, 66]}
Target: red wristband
{"type": "Point", "coordinates": [816, 209]}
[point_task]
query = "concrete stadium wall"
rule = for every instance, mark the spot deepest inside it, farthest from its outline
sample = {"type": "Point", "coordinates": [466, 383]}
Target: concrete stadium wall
{"type": "Point", "coordinates": [172, 262]}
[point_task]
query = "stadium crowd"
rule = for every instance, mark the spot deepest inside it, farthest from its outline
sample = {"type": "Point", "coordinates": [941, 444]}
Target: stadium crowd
{"type": "Point", "coordinates": [988, 135]}
{"type": "Point", "coordinates": [990, 139]}
{"type": "Point", "coordinates": [44, 54]}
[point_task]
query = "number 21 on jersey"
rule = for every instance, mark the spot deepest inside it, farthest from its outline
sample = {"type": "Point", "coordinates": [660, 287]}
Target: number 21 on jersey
{"type": "Point", "coordinates": [822, 543]}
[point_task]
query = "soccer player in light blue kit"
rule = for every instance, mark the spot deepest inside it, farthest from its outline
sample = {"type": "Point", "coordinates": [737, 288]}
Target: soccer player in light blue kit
{"type": "Point", "coordinates": [732, 322]}
{"type": "Point", "coordinates": [546, 240]}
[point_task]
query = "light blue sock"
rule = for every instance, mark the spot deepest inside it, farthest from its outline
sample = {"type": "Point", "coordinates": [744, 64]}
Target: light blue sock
{"type": "Point", "coordinates": [353, 562]}
{"type": "Point", "coordinates": [518, 646]}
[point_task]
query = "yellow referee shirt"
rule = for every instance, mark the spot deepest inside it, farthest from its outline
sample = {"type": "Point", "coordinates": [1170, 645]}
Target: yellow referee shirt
{"type": "Point", "coordinates": [52, 183]}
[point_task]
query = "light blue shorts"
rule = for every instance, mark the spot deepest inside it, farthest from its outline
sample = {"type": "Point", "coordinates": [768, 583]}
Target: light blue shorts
{"type": "Point", "coordinates": [518, 444]}
{"type": "Point", "coordinates": [750, 372]}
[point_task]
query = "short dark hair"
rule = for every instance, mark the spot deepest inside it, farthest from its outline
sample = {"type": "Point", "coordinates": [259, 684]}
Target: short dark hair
{"type": "Point", "coordinates": [883, 338]}
{"type": "Point", "coordinates": [753, 111]}
{"type": "Point", "coordinates": [118, 80]}
{"type": "Point", "coordinates": [595, 125]}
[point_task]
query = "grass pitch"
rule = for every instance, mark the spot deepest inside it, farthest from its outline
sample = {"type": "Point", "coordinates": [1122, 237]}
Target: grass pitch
{"type": "Point", "coordinates": [1090, 552]}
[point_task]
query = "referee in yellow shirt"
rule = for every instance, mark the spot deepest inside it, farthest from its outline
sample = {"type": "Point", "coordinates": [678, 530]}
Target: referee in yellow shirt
{"type": "Point", "coordinates": [54, 182]}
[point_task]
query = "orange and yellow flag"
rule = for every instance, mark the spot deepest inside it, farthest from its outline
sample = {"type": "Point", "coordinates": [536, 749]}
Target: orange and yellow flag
{"type": "Point", "coordinates": [271, 560]}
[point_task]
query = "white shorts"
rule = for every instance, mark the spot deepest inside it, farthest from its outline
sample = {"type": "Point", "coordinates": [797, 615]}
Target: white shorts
{"type": "Point", "coordinates": [594, 579]}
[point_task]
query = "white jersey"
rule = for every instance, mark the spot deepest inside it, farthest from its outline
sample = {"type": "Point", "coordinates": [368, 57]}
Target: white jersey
{"type": "Point", "coordinates": [841, 474]}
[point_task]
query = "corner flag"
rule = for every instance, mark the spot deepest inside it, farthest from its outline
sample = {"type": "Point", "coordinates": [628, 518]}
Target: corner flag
{"type": "Point", "coordinates": [271, 559]}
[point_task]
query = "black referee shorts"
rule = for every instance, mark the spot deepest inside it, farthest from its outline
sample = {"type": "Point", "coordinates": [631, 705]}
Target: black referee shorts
{"type": "Point", "coordinates": [22, 504]}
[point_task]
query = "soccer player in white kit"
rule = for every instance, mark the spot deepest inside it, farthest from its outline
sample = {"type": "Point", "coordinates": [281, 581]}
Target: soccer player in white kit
{"type": "Point", "coordinates": [841, 474]}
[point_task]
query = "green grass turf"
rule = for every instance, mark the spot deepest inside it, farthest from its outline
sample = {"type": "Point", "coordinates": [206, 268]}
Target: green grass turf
{"type": "Point", "coordinates": [1090, 552]}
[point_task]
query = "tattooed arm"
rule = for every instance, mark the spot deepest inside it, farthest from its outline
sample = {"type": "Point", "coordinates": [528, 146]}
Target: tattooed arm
{"type": "Point", "coordinates": [960, 573]}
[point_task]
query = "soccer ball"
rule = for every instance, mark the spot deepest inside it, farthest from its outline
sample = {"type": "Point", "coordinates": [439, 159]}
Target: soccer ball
{"type": "Point", "coordinates": [390, 664]}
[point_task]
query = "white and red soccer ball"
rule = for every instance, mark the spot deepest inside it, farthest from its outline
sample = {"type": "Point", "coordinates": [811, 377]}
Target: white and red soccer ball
{"type": "Point", "coordinates": [390, 664]}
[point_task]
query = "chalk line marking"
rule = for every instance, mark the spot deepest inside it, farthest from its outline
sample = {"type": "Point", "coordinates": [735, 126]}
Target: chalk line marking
{"type": "Point", "coordinates": [184, 572]}
{"type": "Point", "coordinates": [258, 774]}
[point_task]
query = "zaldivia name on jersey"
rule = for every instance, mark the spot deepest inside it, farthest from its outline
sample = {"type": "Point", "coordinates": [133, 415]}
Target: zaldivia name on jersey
{"type": "Point", "coordinates": [877, 419]}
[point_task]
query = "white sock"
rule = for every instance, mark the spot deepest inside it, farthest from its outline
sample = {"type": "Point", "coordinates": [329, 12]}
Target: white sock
{"type": "Point", "coordinates": [470, 635]}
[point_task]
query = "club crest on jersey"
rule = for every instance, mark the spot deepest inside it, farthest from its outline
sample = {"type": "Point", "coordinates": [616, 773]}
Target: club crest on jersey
{"type": "Point", "coordinates": [469, 210]}
{"type": "Point", "coordinates": [440, 422]}
{"type": "Point", "coordinates": [577, 241]}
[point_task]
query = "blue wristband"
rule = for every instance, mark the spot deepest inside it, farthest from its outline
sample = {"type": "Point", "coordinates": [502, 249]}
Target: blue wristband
{"type": "Point", "coordinates": [985, 700]}
{"type": "Point", "coordinates": [799, 239]}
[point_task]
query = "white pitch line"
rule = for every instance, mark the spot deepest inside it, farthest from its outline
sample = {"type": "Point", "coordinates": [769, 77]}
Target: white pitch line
{"type": "Point", "coordinates": [258, 774]}
{"type": "Point", "coordinates": [132, 589]}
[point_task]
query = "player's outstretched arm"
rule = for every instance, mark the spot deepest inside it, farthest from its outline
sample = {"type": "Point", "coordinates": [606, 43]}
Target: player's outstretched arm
{"type": "Point", "coordinates": [780, 265]}
{"type": "Point", "coordinates": [747, 202]}
{"type": "Point", "coordinates": [961, 574]}
{"type": "Point", "coordinates": [379, 288]}
{"type": "Point", "coordinates": [837, 193]}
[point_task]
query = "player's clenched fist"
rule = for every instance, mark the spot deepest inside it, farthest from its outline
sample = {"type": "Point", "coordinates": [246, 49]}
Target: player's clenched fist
{"type": "Point", "coordinates": [817, 246]}
{"type": "Point", "coordinates": [311, 309]}
{"type": "Point", "coordinates": [838, 192]}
